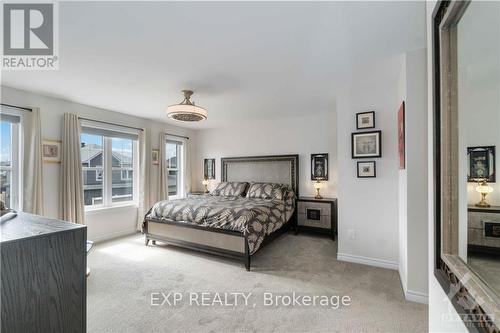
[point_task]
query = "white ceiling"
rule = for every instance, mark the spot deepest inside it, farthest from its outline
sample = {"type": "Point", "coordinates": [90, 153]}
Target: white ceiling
{"type": "Point", "coordinates": [244, 61]}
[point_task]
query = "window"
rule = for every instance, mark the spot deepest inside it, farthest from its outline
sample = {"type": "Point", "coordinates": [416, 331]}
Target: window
{"type": "Point", "coordinates": [175, 164]}
{"type": "Point", "coordinates": [109, 160]}
{"type": "Point", "coordinates": [10, 160]}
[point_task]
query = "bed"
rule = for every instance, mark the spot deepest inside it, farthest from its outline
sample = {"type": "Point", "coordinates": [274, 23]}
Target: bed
{"type": "Point", "coordinates": [231, 226]}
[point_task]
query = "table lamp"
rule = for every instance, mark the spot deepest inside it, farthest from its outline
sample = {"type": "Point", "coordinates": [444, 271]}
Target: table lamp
{"type": "Point", "coordinates": [205, 182]}
{"type": "Point", "coordinates": [484, 189]}
{"type": "Point", "coordinates": [318, 185]}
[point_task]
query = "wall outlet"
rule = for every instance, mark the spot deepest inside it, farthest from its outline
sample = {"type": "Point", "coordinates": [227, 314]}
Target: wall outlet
{"type": "Point", "coordinates": [352, 234]}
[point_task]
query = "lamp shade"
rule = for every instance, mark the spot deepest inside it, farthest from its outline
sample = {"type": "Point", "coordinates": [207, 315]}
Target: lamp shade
{"type": "Point", "coordinates": [483, 187]}
{"type": "Point", "coordinates": [318, 185]}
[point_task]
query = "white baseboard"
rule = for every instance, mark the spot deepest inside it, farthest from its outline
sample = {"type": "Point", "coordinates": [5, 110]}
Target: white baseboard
{"type": "Point", "coordinates": [368, 261]}
{"type": "Point", "coordinates": [105, 237]}
{"type": "Point", "coordinates": [416, 296]}
{"type": "Point", "coordinates": [410, 295]}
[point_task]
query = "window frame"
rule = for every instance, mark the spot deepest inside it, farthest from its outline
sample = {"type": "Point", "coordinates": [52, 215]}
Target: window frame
{"type": "Point", "coordinates": [180, 166]}
{"type": "Point", "coordinates": [16, 167]}
{"type": "Point", "coordinates": [107, 173]}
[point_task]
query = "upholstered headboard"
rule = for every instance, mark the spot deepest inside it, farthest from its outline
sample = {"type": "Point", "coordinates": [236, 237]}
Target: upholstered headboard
{"type": "Point", "coordinates": [280, 169]}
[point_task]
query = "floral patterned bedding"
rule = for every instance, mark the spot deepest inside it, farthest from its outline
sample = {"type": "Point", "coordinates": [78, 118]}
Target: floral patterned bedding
{"type": "Point", "coordinates": [255, 218]}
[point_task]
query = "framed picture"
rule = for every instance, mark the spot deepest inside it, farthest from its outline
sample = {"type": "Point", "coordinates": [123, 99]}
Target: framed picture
{"type": "Point", "coordinates": [365, 120]}
{"type": "Point", "coordinates": [367, 169]}
{"type": "Point", "coordinates": [51, 151]}
{"type": "Point", "coordinates": [366, 144]}
{"type": "Point", "coordinates": [481, 164]}
{"type": "Point", "coordinates": [209, 168]}
{"type": "Point", "coordinates": [401, 136]}
{"type": "Point", "coordinates": [155, 156]}
{"type": "Point", "coordinates": [319, 166]}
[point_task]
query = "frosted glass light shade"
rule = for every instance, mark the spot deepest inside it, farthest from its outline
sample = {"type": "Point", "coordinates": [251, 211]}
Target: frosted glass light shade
{"type": "Point", "coordinates": [186, 112]}
{"type": "Point", "coordinates": [484, 188]}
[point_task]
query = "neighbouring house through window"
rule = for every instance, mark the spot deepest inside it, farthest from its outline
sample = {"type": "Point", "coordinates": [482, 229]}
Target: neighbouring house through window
{"type": "Point", "coordinates": [109, 165]}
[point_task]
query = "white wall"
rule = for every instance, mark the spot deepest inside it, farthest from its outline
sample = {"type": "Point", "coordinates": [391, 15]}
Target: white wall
{"type": "Point", "coordinates": [369, 206]}
{"type": "Point", "coordinates": [413, 231]}
{"type": "Point", "coordinates": [304, 135]}
{"type": "Point", "coordinates": [440, 308]}
{"type": "Point", "coordinates": [101, 224]}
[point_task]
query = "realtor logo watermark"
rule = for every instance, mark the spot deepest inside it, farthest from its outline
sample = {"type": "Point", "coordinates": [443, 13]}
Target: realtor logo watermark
{"type": "Point", "coordinates": [30, 36]}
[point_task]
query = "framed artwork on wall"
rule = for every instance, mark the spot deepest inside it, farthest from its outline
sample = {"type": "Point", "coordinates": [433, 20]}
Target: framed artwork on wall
{"type": "Point", "coordinates": [366, 144]}
{"type": "Point", "coordinates": [365, 120]}
{"type": "Point", "coordinates": [155, 156]}
{"type": "Point", "coordinates": [481, 164]}
{"type": "Point", "coordinates": [401, 137]}
{"type": "Point", "coordinates": [51, 151]}
{"type": "Point", "coordinates": [319, 166]}
{"type": "Point", "coordinates": [209, 168]}
{"type": "Point", "coordinates": [367, 169]}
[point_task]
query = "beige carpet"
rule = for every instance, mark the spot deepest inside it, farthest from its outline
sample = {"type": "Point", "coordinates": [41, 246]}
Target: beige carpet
{"type": "Point", "coordinates": [125, 273]}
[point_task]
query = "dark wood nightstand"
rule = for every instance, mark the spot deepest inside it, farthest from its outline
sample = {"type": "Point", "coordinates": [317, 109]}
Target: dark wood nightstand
{"type": "Point", "coordinates": [317, 215]}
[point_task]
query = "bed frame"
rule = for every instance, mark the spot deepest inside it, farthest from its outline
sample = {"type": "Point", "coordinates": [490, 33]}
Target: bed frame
{"type": "Point", "coordinates": [281, 169]}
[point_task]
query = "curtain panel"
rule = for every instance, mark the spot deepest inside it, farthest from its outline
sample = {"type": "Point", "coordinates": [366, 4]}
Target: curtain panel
{"type": "Point", "coordinates": [163, 171]}
{"type": "Point", "coordinates": [144, 176]}
{"type": "Point", "coordinates": [187, 167]}
{"type": "Point", "coordinates": [33, 165]}
{"type": "Point", "coordinates": [71, 200]}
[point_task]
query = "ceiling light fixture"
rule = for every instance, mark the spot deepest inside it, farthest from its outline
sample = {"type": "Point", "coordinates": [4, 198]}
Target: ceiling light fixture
{"type": "Point", "coordinates": [186, 110]}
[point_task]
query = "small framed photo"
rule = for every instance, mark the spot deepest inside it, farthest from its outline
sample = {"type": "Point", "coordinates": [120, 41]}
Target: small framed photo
{"type": "Point", "coordinates": [209, 168]}
{"type": "Point", "coordinates": [367, 169]}
{"type": "Point", "coordinates": [155, 156]}
{"type": "Point", "coordinates": [365, 120]}
{"type": "Point", "coordinates": [319, 166]}
{"type": "Point", "coordinates": [51, 151]}
{"type": "Point", "coordinates": [481, 164]}
{"type": "Point", "coordinates": [366, 144]}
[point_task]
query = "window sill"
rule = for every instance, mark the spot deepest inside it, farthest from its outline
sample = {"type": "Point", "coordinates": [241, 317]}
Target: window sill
{"type": "Point", "coordinates": [97, 210]}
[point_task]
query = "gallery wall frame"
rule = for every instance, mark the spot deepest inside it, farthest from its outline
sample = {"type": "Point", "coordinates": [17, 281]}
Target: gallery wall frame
{"type": "Point", "coordinates": [366, 144]}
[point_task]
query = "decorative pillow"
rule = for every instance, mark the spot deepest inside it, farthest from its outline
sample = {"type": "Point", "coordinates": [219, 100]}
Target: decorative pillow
{"type": "Point", "coordinates": [230, 189]}
{"type": "Point", "coordinates": [266, 191]}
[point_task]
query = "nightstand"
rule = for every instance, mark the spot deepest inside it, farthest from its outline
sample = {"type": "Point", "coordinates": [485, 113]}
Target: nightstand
{"type": "Point", "coordinates": [317, 215]}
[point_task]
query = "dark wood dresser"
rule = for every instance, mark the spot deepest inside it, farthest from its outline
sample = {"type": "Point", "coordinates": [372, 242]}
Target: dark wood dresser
{"type": "Point", "coordinates": [43, 283]}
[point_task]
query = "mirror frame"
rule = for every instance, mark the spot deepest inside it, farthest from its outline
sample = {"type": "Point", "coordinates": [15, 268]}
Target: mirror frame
{"type": "Point", "coordinates": [476, 303]}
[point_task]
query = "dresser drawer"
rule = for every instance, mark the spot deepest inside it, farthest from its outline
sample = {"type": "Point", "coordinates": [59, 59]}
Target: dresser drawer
{"type": "Point", "coordinates": [324, 222]}
{"type": "Point", "coordinates": [324, 207]}
{"type": "Point", "coordinates": [475, 219]}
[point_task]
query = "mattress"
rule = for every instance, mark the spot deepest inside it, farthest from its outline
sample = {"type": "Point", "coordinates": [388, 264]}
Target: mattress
{"type": "Point", "coordinates": [255, 218]}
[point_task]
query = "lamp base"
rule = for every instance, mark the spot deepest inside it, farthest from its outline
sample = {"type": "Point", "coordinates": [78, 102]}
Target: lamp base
{"type": "Point", "coordinates": [483, 204]}
{"type": "Point", "coordinates": [318, 197]}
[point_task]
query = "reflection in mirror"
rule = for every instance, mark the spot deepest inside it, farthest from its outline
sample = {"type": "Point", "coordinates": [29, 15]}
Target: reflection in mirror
{"type": "Point", "coordinates": [478, 81]}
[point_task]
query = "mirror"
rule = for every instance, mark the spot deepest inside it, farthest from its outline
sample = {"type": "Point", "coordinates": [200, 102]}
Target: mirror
{"type": "Point", "coordinates": [478, 118]}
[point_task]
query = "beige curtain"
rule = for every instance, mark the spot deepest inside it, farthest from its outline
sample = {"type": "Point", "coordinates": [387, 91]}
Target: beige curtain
{"type": "Point", "coordinates": [71, 171]}
{"type": "Point", "coordinates": [163, 172]}
{"type": "Point", "coordinates": [187, 167]}
{"type": "Point", "coordinates": [33, 174]}
{"type": "Point", "coordinates": [144, 169]}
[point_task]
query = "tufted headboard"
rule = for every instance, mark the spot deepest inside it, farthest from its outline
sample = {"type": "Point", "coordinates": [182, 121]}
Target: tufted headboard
{"type": "Point", "coordinates": [280, 169]}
